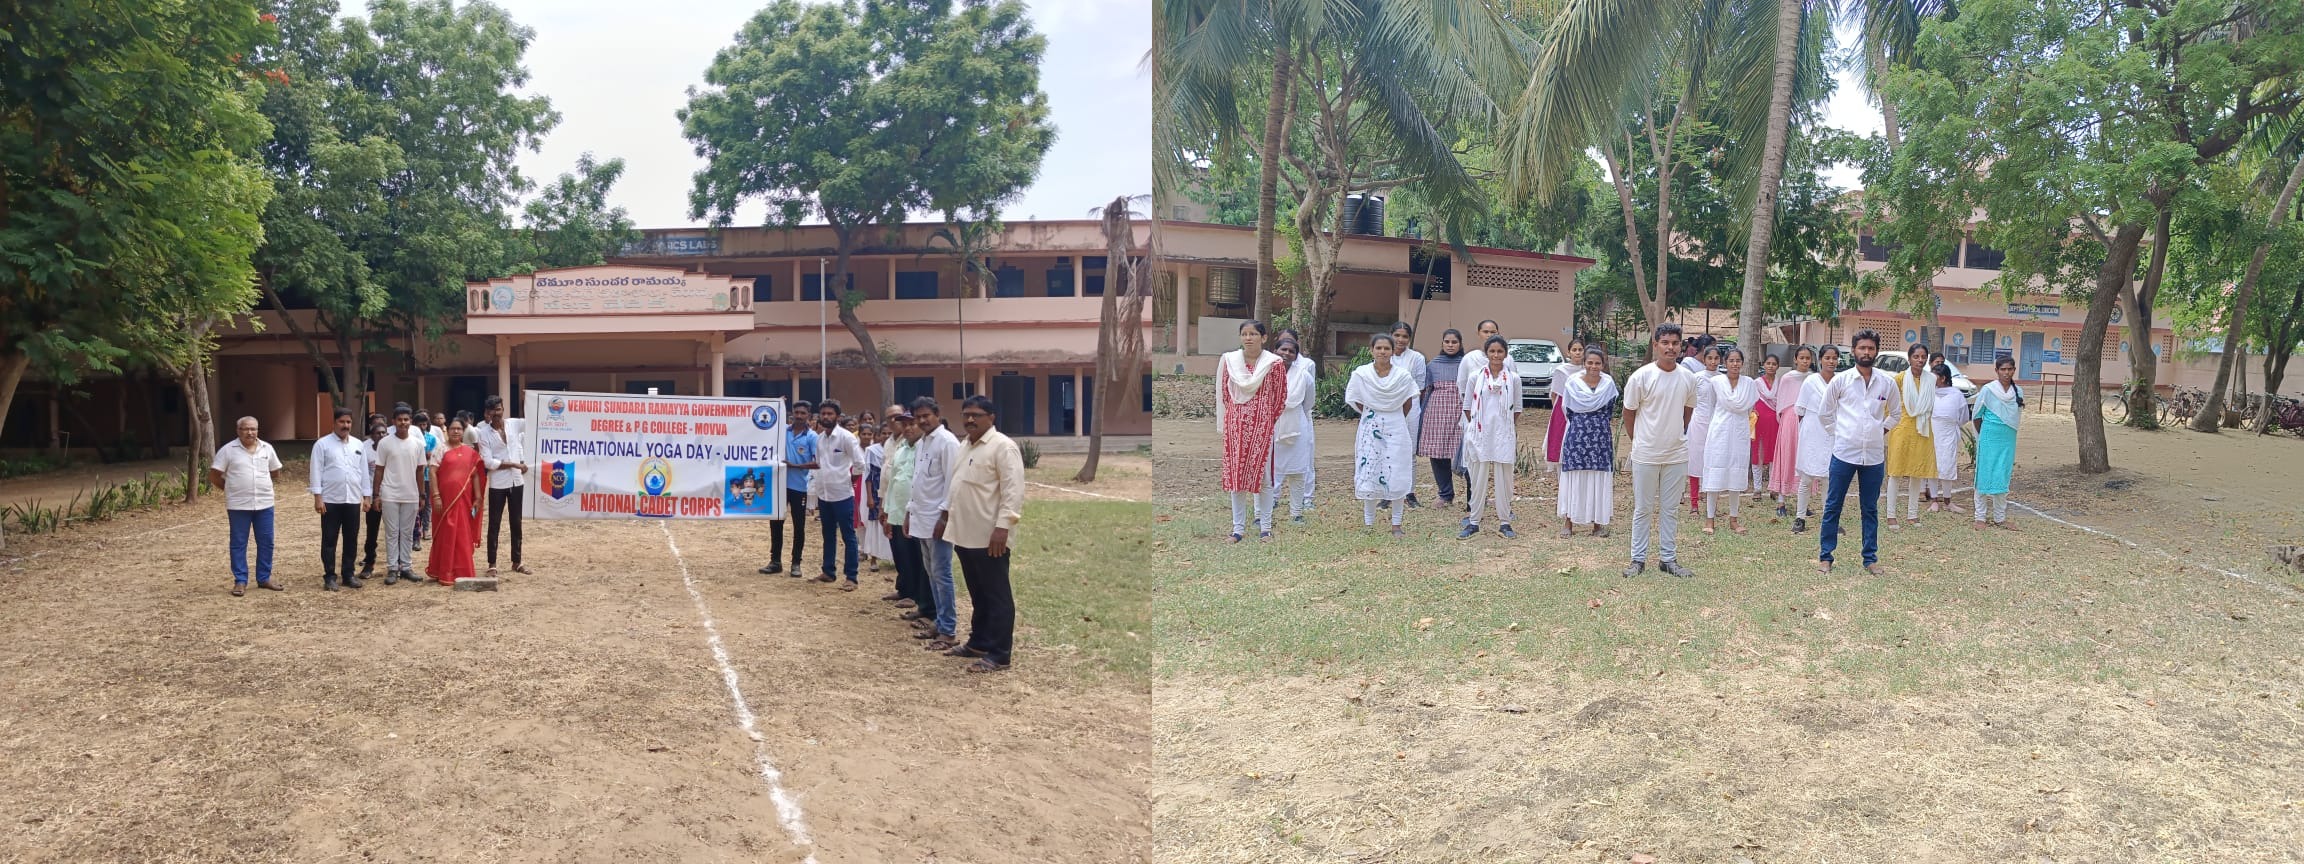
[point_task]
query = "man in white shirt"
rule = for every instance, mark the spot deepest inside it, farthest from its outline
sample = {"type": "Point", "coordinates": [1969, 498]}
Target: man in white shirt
{"type": "Point", "coordinates": [987, 501]}
{"type": "Point", "coordinates": [507, 464]}
{"type": "Point", "coordinates": [400, 462]}
{"type": "Point", "coordinates": [833, 485]}
{"type": "Point", "coordinates": [1658, 400]}
{"type": "Point", "coordinates": [1860, 406]}
{"type": "Point", "coordinates": [245, 469]}
{"type": "Point", "coordinates": [934, 456]}
{"type": "Point", "coordinates": [341, 477]}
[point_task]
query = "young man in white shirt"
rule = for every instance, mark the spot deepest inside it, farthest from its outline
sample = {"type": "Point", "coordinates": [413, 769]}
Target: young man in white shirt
{"type": "Point", "coordinates": [1860, 406]}
{"type": "Point", "coordinates": [934, 456]}
{"type": "Point", "coordinates": [507, 464]}
{"type": "Point", "coordinates": [245, 469]}
{"type": "Point", "coordinates": [987, 501]}
{"type": "Point", "coordinates": [833, 486]}
{"type": "Point", "coordinates": [377, 429]}
{"type": "Point", "coordinates": [421, 426]}
{"type": "Point", "coordinates": [341, 477]}
{"type": "Point", "coordinates": [401, 464]}
{"type": "Point", "coordinates": [1658, 400]}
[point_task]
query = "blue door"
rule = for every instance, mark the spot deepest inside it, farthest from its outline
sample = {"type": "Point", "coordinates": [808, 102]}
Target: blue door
{"type": "Point", "coordinates": [2028, 362]}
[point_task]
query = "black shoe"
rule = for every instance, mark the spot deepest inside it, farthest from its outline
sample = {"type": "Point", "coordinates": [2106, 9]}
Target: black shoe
{"type": "Point", "coordinates": [1469, 530]}
{"type": "Point", "coordinates": [328, 584]}
{"type": "Point", "coordinates": [1637, 568]}
{"type": "Point", "coordinates": [368, 570]}
{"type": "Point", "coordinates": [1799, 526]}
{"type": "Point", "coordinates": [1673, 568]}
{"type": "Point", "coordinates": [391, 576]}
{"type": "Point", "coordinates": [1506, 531]}
{"type": "Point", "coordinates": [1414, 504]}
{"type": "Point", "coordinates": [351, 581]}
{"type": "Point", "coordinates": [772, 569]}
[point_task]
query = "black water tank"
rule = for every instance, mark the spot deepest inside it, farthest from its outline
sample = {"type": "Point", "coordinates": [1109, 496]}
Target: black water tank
{"type": "Point", "coordinates": [1352, 211]}
{"type": "Point", "coordinates": [1371, 217]}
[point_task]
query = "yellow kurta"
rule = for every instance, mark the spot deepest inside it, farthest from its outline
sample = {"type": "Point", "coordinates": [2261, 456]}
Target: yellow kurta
{"type": "Point", "coordinates": [1909, 453]}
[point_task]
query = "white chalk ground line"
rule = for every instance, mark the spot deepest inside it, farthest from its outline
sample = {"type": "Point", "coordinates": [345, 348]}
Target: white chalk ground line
{"type": "Point", "coordinates": [787, 807]}
{"type": "Point", "coordinates": [1079, 491]}
{"type": "Point", "coordinates": [2275, 587]}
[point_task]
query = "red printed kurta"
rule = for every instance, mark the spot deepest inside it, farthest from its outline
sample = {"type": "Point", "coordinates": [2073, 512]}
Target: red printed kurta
{"type": "Point", "coordinates": [1248, 425]}
{"type": "Point", "coordinates": [456, 521]}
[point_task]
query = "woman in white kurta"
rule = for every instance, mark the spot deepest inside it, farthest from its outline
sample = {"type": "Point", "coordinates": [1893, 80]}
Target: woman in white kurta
{"type": "Point", "coordinates": [1815, 459]}
{"type": "Point", "coordinates": [1491, 436]}
{"type": "Point", "coordinates": [1292, 434]}
{"type": "Point", "coordinates": [1951, 413]}
{"type": "Point", "coordinates": [1587, 447]}
{"type": "Point", "coordinates": [1384, 450]}
{"type": "Point", "coordinates": [1414, 360]}
{"type": "Point", "coordinates": [874, 543]}
{"type": "Point", "coordinates": [1728, 444]}
{"type": "Point", "coordinates": [1699, 428]}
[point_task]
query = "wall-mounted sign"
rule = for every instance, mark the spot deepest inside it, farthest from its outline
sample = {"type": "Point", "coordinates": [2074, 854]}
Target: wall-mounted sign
{"type": "Point", "coordinates": [705, 244]}
{"type": "Point", "coordinates": [2037, 310]}
{"type": "Point", "coordinates": [611, 290]}
{"type": "Point", "coordinates": [2051, 356]}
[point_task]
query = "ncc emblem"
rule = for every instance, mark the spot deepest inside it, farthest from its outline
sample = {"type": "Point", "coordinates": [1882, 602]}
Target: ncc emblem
{"type": "Point", "coordinates": [764, 417]}
{"type": "Point", "coordinates": [560, 479]}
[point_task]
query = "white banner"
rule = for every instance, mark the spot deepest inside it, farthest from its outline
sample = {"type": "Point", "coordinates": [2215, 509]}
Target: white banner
{"type": "Point", "coordinates": [618, 456]}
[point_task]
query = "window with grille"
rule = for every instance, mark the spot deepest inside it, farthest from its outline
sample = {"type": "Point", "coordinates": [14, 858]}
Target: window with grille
{"type": "Point", "coordinates": [916, 285]}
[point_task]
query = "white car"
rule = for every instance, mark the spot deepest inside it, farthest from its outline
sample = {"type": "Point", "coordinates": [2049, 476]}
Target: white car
{"type": "Point", "coordinates": [1535, 359]}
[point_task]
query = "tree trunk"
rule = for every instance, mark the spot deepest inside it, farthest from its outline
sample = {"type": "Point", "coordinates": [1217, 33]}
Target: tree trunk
{"type": "Point", "coordinates": [311, 345]}
{"type": "Point", "coordinates": [1276, 119]}
{"type": "Point", "coordinates": [12, 368]}
{"type": "Point", "coordinates": [1878, 61]}
{"type": "Point", "coordinates": [2143, 362]}
{"type": "Point", "coordinates": [1788, 14]}
{"type": "Point", "coordinates": [201, 414]}
{"type": "Point", "coordinates": [1652, 314]}
{"type": "Point", "coordinates": [854, 324]}
{"type": "Point", "coordinates": [2088, 374]}
{"type": "Point", "coordinates": [2211, 418]}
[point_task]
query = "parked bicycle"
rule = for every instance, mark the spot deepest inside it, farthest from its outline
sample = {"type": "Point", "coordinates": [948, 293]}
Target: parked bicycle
{"type": "Point", "coordinates": [2116, 403]}
{"type": "Point", "coordinates": [2186, 405]}
{"type": "Point", "coordinates": [2287, 416]}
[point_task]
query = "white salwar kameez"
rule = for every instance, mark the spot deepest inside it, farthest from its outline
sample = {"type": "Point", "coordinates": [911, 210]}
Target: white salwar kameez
{"type": "Point", "coordinates": [1292, 442]}
{"type": "Point", "coordinates": [1814, 462]}
{"type": "Point", "coordinates": [1951, 413]}
{"type": "Point", "coordinates": [1384, 450]}
{"type": "Point", "coordinates": [1491, 439]}
{"type": "Point", "coordinates": [1728, 440]}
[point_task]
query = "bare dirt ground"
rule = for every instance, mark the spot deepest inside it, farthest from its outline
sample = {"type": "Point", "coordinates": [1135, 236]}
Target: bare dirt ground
{"type": "Point", "coordinates": [2043, 696]}
{"type": "Point", "coordinates": [577, 715]}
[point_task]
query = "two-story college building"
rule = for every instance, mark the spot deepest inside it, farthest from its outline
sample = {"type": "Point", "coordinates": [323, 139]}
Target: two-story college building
{"type": "Point", "coordinates": [686, 311]}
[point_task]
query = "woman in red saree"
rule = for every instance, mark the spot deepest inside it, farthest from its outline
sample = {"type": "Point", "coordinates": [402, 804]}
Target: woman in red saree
{"type": "Point", "coordinates": [460, 482]}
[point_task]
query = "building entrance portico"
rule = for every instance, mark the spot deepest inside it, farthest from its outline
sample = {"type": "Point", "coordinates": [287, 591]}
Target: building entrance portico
{"type": "Point", "coordinates": [637, 323]}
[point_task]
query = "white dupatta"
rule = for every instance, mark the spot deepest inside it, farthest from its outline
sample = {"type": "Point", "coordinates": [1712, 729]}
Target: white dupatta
{"type": "Point", "coordinates": [1380, 395]}
{"type": "Point", "coordinates": [1582, 398]}
{"type": "Point", "coordinates": [1292, 423]}
{"type": "Point", "coordinates": [1236, 383]}
{"type": "Point", "coordinates": [2001, 401]}
{"type": "Point", "coordinates": [1919, 402]}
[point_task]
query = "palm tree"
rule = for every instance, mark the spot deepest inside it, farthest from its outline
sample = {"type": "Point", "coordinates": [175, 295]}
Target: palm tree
{"type": "Point", "coordinates": [970, 243]}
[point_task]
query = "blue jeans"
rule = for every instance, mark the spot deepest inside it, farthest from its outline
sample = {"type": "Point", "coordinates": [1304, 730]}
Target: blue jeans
{"type": "Point", "coordinates": [839, 520]}
{"type": "Point", "coordinates": [1867, 495]}
{"type": "Point", "coordinates": [939, 566]}
{"type": "Point", "coordinates": [245, 522]}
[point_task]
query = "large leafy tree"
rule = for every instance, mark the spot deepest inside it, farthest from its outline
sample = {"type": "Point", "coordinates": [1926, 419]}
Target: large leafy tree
{"type": "Point", "coordinates": [857, 113]}
{"type": "Point", "coordinates": [571, 223]}
{"type": "Point", "coordinates": [122, 159]}
{"type": "Point", "coordinates": [392, 163]}
{"type": "Point", "coordinates": [2079, 129]}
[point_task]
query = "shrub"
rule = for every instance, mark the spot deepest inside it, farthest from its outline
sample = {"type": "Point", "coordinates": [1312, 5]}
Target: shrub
{"type": "Point", "coordinates": [1031, 453]}
{"type": "Point", "coordinates": [1329, 391]}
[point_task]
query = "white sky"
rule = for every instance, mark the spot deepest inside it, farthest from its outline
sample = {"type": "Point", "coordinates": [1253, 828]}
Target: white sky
{"type": "Point", "coordinates": [1848, 109]}
{"type": "Point", "coordinates": [617, 71]}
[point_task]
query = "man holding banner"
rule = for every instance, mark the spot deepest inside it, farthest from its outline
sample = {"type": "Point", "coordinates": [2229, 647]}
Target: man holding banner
{"type": "Point", "coordinates": [835, 492]}
{"type": "Point", "coordinates": [799, 464]}
{"type": "Point", "coordinates": [987, 502]}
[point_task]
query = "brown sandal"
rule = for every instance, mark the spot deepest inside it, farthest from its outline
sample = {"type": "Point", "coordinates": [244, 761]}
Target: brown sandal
{"type": "Point", "coordinates": [847, 586]}
{"type": "Point", "coordinates": [239, 590]}
{"type": "Point", "coordinates": [986, 665]}
{"type": "Point", "coordinates": [941, 643]}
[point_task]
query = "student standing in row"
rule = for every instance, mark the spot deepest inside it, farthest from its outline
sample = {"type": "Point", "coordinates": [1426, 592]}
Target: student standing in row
{"type": "Point", "coordinates": [1911, 448]}
{"type": "Point", "coordinates": [835, 494]}
{"type": "Point", "coordinates": [1728, 442]}
{"type": "Point", "coordinates": [1863, 405]}
{"type": "Point", "coordinates": [1441, 439]}
{"type": "Point", "coordinates": [1705, 367]}
{"type": "Point", "coordinates": [1384, 457]}
{"type": "Point", "coordinates": [1784, 462]}
{"type": "Point", "coordinates": [1659, 400]}
{"type": "Point", "coordinates": [1249, 395]}
{"type": "Point", "coordinates": [1556, 425]}
{"type": "Point", "coordinates": [1403, 336]}
{"type": "Point", "coordinates": [1587, 445]}
{"type": "Point", "coordinates": [401, 468]}
{"type": "Point", "coordinates": [1764, 425]}
{"type": "Point", "coordinates": [502, 453]}
{"type": "Point", "coordinates": [1948, 413]}
{"type": "Point", "coordinates": [1815, 457]}
{"type": "Point", "coordinates": [799, 467]}
{"type": "Point", "coordinates": [1491, 434]}
{"type": "Point", "coordinates": [1999, 408]}
{"type": "Point", "coordinates": [377, 429]}
{"type": "Point", "coordinates": [935, 455]}
{"type": "Point", "coordinates": [1292, 435]}
{"type": "Point", "coordinates": [1306, 369]}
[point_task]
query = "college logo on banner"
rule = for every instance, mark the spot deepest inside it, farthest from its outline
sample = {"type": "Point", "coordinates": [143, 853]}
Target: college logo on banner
{"type": "Point", "coordinates": [764, 417]}
{"type": "Point", "coordinates": [560, 479]}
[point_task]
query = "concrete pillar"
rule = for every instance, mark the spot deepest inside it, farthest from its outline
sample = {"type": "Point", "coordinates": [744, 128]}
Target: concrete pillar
{"type": "Point", "coordinates": [1183, 311]}
{"type": "Point", "coordinates": [795, 283]}
{"type": "Point", "coordinates": [983, 385]}
{"type": "Point", "coordinates": [891, 277]}
{"type": "Point", "coordinates": [504, 374]}
{"type": "Point", "coordinates": [423, 394]}
{"type": "Point", "coordinates": [1079, 403]}
{"type": "Point", "coordinates": [1079, 276]}
{"type": "Point", "coordinates": [719, 365]}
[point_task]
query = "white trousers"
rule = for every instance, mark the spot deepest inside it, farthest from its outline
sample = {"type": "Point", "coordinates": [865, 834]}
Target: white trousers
{"type": "Point", "coordinates": [1911, 486]}
{"type": "Point", "coordinates": [1368, 510]}
{"type": "Point", "coordinates": [1656, 491]}
{"type": "Point", "coordinates": [1712, 504]}
{"type": "Point", "coordinates": [1261, 502]}
{"type": "Point", "coordinates": [1297, 503]}
{"type": "Point", "coordinates": [1998, 503]}
{"type": "Point", "coordinates": [1487, 476]}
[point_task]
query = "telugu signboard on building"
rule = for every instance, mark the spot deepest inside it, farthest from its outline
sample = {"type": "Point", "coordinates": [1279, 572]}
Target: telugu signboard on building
{"type": "Point", "coordinates": [2036, 310]}
{"type": "Point", "coordinates": [612, 291]}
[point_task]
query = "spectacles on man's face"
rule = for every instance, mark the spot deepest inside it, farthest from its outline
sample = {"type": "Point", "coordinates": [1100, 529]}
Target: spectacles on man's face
{"type": "Point", "coordinates": [973, 415]}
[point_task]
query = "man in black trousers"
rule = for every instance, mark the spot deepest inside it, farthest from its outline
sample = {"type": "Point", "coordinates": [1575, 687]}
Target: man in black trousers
{"type": "Point", "coordinates": [987, 500]}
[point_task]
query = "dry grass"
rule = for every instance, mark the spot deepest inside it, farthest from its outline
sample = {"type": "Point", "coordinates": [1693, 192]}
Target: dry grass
{"type": "Point", "coordinates": [575, 716]}
{"type": "Point", "coordinates": [2046, 695]}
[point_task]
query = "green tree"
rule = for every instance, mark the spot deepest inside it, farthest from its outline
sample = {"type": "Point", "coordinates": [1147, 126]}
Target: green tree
{"type": "Point", "coordinates": [2148, 96]}
{"type": "Point", "coordinates": [858, 113]}
{"type": "Point", "coordinates": [121, 144]}
{"type": "Point", "coordinates": [392, 164]}
{"type": "Point", "coordinates": [969, 242]}
{"type": "Point", "coordinates": [570, 224]}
